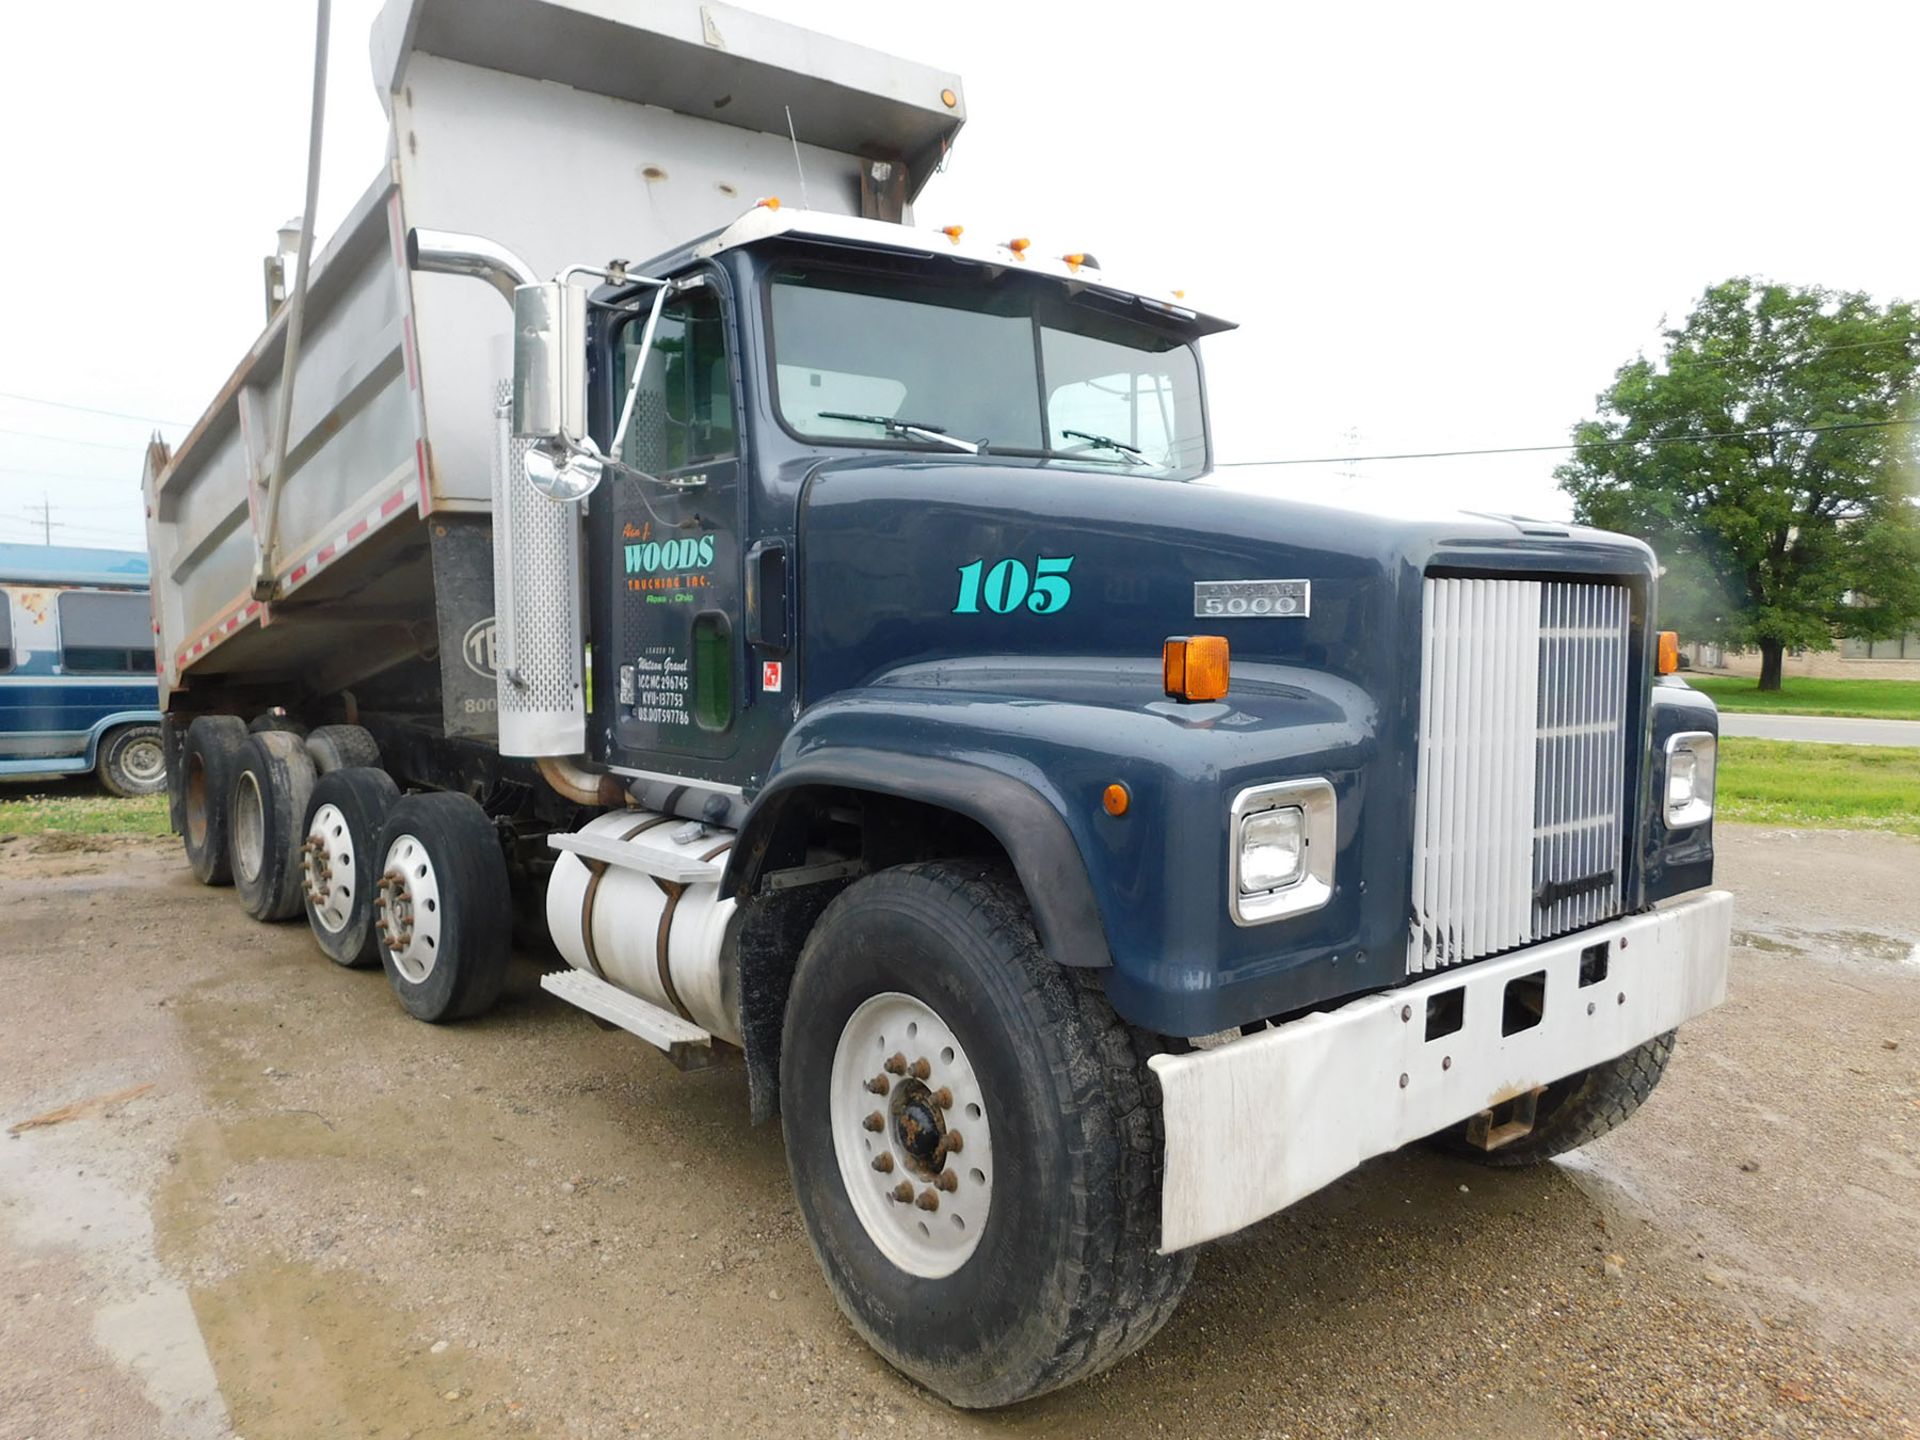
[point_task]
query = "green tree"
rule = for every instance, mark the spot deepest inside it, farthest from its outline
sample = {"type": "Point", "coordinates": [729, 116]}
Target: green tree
{"type": "Point", "coordinates": [1797, 517]}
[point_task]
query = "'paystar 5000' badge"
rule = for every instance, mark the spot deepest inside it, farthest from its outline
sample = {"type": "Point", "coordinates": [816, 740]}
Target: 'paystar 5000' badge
{"type": "Point", "coordinates": [1237, 599]}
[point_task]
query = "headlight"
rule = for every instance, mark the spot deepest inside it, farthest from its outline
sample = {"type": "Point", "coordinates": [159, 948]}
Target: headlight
{"type": "Point", "coordinates": [1282, 839]}
{"type": "Point", "coordinates": [1690, 765]}
{"type": "Point", "coordinates": [1273, 849]}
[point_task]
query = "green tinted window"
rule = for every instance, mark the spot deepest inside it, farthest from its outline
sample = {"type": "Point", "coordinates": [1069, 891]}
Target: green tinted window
{"type": "Point", "coordinates": [712, 671]}
{"type": "Point", "coordinates": [683, 414]}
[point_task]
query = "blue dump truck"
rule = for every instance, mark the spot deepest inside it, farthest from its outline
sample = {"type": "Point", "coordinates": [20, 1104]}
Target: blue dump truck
{"type": "Point", "coordinates": [829, 636]}
{"type": "Point", "coordinates": [77, 687]}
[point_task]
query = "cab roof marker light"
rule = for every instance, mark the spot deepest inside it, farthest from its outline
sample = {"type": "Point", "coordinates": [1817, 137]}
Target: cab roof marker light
{"type": "Point", "coordinates": [1019, 246]}
{"type": "Point", "coordinates": [953, 232]}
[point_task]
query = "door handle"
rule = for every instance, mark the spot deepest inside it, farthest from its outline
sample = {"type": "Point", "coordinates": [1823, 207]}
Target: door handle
{"type": "Point", "coordinates": [767, 595]}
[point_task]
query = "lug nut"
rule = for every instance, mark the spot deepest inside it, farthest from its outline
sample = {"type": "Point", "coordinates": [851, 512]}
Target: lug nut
{"type": "Point", "coordinates": [953, 1142]}
{"type": "Point", "coordinates": [896, 1065]}
{"type": "Point", "coordinates": [943, 1098]}
{"type": "Point", "coordinates": [878, 1085]}
{"type": "Point", "coordinates": [920, 1069]}
{"type": "Point", "coordinates": [875, 1122]}
{"type": "Point", "coordinates": [947, 1181]}
{"type": "Point", "coordinates": [903, 1192]}
{"type": "Point", "coordinates": [883, 1163]}
{"type": "Point", "coordinates": [928, 1199]}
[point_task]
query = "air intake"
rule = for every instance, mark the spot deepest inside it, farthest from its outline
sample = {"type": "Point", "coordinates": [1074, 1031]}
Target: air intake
{"type": "Point", "coordinates": [1522, 765]}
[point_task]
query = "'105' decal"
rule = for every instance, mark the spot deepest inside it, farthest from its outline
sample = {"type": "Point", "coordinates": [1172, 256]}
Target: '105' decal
{"type": "Point", "coordinates": [1009, 584]}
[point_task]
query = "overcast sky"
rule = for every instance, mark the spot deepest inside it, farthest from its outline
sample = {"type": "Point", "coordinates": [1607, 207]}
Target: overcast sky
{"type": "Point", "coordinates": [1440, 227]}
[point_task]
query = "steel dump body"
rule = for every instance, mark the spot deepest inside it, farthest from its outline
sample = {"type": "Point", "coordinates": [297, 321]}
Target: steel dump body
{"type": "Point", "coordinates": [652, 122]}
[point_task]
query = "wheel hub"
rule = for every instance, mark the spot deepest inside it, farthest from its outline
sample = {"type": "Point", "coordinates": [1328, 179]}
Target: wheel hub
{"type": "Point", "coordinates": [144, 761]}
{"type": "Point", "coordinates": [407, 909]}
{"type": "Point", "coordinates": [910, 1133]}
{"type": "Point", "coordinates": [326, 858]}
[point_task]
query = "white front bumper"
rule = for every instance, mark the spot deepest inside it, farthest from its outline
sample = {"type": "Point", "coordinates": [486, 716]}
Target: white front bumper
{"type": "Point", "coordinates": [1255, 1124]}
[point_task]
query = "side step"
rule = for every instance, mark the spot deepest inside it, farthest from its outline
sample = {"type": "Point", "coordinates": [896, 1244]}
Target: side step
{"type": "Point", "coordinates": [681, 869]}
{"type": "Point", "coordinates": [685, 1043]}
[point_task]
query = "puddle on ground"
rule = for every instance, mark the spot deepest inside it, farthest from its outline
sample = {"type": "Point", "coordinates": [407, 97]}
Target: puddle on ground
{"type": "Point", "coordinates": [142, 1316]}
{"type": "Point", "coordinates": [301, 1351]}
{"type": "Point", "coordinates": [299, 1348]}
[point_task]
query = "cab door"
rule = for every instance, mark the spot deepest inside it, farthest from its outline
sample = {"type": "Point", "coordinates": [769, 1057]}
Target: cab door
{"type": "Point", "coordinates": [671, 551]}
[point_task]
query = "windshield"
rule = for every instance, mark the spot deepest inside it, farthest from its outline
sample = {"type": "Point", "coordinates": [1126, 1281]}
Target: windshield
{"type": "Point", "coordinates": [1008, 360]}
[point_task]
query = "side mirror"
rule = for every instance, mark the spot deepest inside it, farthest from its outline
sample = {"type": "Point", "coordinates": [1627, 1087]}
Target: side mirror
{"type": "Point", "coordinates": [550, 363]}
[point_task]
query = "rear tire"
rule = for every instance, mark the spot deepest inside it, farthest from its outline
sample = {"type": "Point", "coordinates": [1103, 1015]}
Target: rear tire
{"type": "Point", "coordinates": [1576, 1110]}
{"type": "Point", "coordinates": [133, 761]}
{"type": "Point", "coordinates": [209, 759]}
{"type": "Point", "coordinates": [340, 861]}
{"type": "Point", "coordinates": [266, 823]}
{"type": "Point", "coordinates": [1052, 1272]}
{"type": "Point", "coordinates": [342, 747]}
{"type": "Point", "coordinates": [444, 895]}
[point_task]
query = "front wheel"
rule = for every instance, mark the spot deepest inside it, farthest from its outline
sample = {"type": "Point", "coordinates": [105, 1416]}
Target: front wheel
{"type": "Point", "coordinates": [974, 1139]}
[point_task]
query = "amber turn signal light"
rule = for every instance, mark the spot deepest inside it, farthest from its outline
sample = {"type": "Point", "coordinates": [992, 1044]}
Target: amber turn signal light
{"type": "Point", "coordinates": [1195, 666]}
{"type": "Point", "coordinates": [1115, 799]}
{"type": "Point", "coordinates": [1669, 657]}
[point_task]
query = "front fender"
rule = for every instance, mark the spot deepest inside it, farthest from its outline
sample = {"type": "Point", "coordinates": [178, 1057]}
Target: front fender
{"type": "Point", "coordinates": [1027, 749]}
{"type": "Point", "coordinates": [996, 791]}
{"type": "Point", "coordinates": [1674, 862]}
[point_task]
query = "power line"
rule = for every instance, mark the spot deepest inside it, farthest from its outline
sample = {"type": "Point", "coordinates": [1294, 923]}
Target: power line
{"type": "Point", "coordinates": [1582, 445]}
{"type": "Point", "coordinates": [39, 474]}
{"type": "Point", "coordinates": [91, 410]}
{"type": "Point", "coordinates": [67, 440]}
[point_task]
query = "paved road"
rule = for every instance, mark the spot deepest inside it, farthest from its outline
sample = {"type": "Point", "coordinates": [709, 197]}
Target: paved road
{"type": "Point", "coordinates": [1826, 729]}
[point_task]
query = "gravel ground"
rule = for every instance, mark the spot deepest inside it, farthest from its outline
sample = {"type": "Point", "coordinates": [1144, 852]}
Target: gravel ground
{"type": "Point", "coordinates": [326, 1219]}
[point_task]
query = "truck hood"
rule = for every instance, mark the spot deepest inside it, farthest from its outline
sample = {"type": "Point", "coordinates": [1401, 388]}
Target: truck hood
{"type": "Point", "coordinates": [887, 548]}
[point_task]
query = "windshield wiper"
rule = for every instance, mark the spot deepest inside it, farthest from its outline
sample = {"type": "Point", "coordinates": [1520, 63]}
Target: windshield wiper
{"type": "Point", "coordinates": [1131, 453]}
{"type": "Point", "coordinates": [930, 433]}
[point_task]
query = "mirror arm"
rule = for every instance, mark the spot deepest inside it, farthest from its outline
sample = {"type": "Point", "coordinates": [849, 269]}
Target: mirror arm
{"type": "Point", "coordinates": [639, 371]}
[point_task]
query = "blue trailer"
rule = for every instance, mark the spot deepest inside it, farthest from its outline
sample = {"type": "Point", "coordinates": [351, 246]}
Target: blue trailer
{"type": "Point", "coordinates": [78, 691]}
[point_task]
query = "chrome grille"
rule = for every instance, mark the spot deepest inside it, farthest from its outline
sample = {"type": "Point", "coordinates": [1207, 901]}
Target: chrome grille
{"type": "Point", "coordinates": [1522, 754]}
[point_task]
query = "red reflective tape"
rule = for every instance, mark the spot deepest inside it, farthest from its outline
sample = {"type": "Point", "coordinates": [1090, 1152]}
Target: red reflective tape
{"type": "Point", "coordinates": [392, 503]}
{"type": "Point", "coordinates": [298, 574]}
{"type": "Point", "coordinates": [356, 530]}
{"type": "Point", "coordinates": [395, 234]}
{"type": "Point", "coordinates": [420, 462]}
{"type": "Point", "coordinates": [326, 554]}
{"type": "Point", "coordinates": [253, 608]}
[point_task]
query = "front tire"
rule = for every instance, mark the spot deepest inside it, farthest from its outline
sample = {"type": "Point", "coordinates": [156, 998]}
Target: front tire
{"type": "Point", "coordinates": [1576, 1110]}
{"type": "Point", "coordinates": [443, 906]}
{"type": "Point", "coordinates": [132, 762]}
{"type": "Point", "coordinates": [930, 978]}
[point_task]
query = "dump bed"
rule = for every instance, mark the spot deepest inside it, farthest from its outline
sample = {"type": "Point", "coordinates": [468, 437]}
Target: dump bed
{"type": "Point", "coordinates": [570, 131]}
